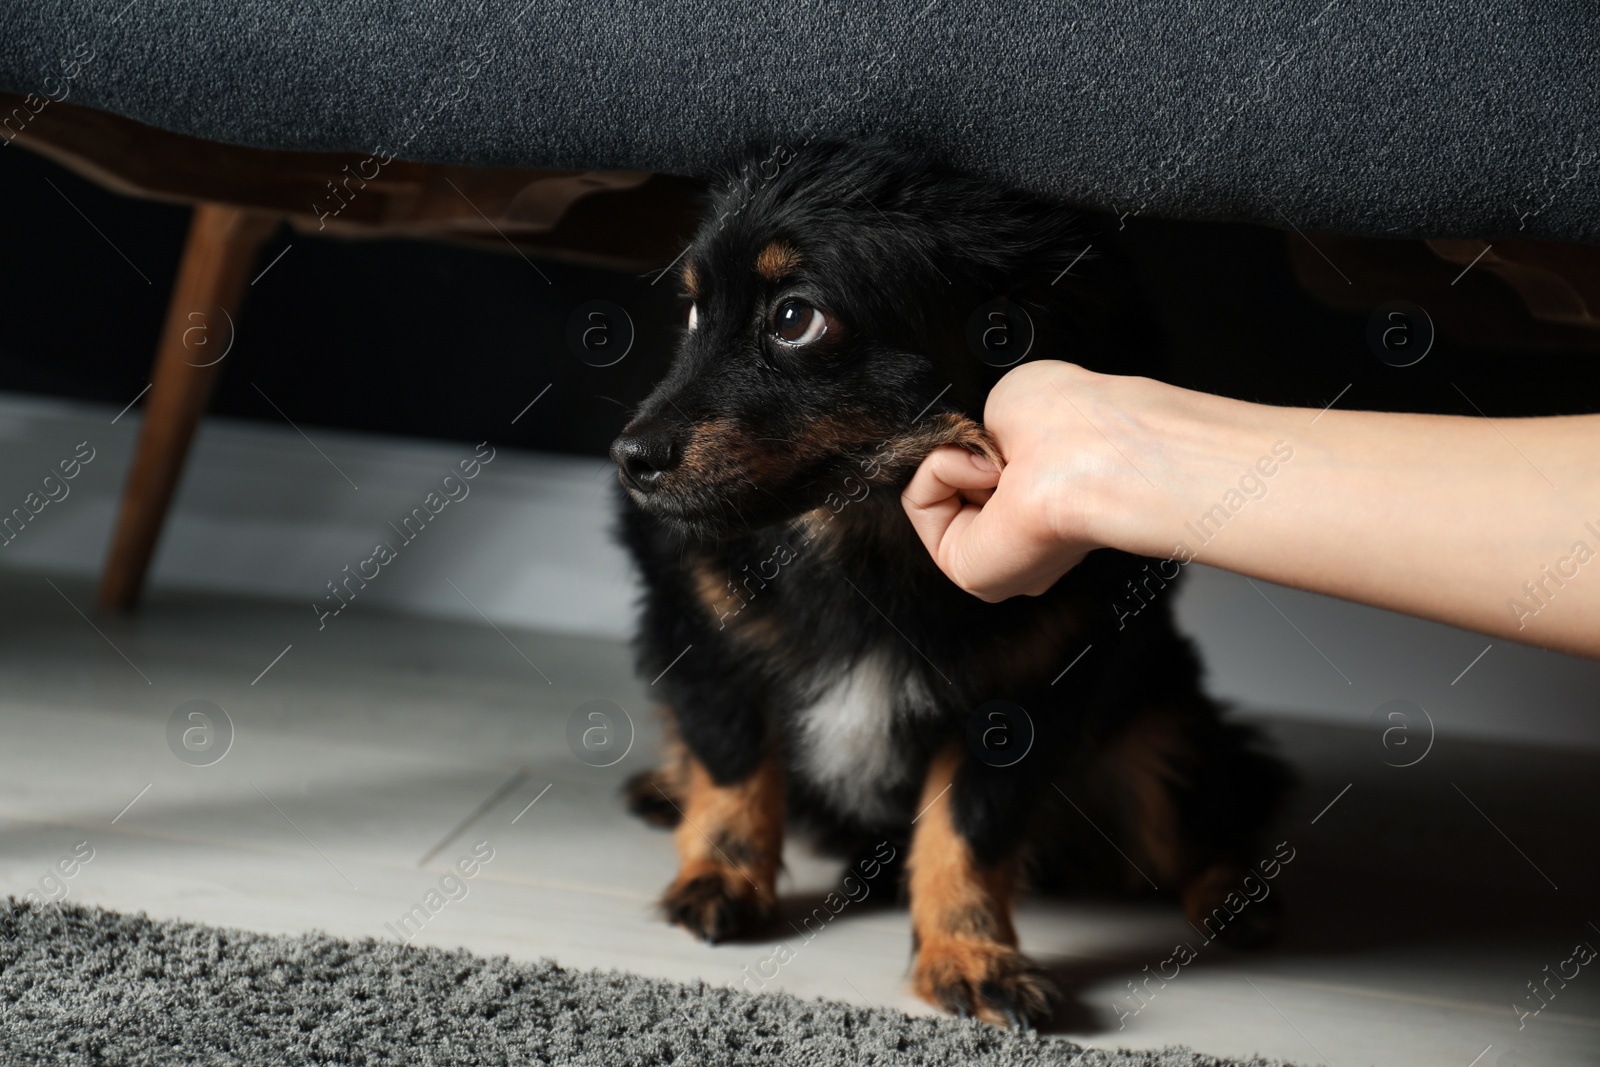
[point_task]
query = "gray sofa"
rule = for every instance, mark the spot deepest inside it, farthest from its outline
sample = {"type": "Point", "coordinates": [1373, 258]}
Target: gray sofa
{"type": "Point", "coordinates": [1423, 119]}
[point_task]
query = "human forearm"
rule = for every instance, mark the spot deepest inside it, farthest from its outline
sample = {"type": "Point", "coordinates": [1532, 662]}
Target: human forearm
{"type": "Point", "coordinates": [1488, 524]}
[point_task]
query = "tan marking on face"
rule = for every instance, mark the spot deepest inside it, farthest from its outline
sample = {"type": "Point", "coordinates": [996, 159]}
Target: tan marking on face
{"type": "Point", "coordinates": [713, 452]}
{"type": "Point", "coordinates": [721, 450]}
{"type": "Point", "coordinates": [691, 280]}
{"type": "Point", "coordinates": [777, 260]}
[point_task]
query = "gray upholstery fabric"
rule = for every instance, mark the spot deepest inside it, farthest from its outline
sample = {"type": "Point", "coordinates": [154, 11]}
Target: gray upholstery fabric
{"type": "Point", "coordinates": [1424, 118]}
{"type": "Point", "coordinates": [86, 986]}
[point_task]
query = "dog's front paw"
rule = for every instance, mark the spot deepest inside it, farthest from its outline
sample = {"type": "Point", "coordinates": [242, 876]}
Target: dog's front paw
{"type": "Point", "coordinates": [995, 982]}
{"type": "Point", "coordinates": [718, 903]}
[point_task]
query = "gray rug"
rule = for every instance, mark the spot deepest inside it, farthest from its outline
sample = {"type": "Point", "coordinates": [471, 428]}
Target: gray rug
{"type": "Point", "coordinates": [86, 986]}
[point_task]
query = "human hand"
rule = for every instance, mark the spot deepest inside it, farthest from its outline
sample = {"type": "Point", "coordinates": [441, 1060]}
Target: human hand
{"type": "Point", "coordinates": [997, 533]}
{"type": "Point", "coordinates": [1433, 515]}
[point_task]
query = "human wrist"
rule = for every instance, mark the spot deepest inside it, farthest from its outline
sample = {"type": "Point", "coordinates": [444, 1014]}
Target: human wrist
{"type": "Point", "coordinates": [1169, 455]}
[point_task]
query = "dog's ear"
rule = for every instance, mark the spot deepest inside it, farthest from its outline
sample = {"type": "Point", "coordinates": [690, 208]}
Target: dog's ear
{"type": "Point", "coordinates": [901, 454]}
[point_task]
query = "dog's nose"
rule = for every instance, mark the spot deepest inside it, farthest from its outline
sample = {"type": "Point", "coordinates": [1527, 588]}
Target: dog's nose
{"type": "Point", "coordinates": [643, 454]}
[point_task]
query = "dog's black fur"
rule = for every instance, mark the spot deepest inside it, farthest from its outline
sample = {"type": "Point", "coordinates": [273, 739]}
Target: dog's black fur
{"type": "Point", "coordinates": [764, 514]}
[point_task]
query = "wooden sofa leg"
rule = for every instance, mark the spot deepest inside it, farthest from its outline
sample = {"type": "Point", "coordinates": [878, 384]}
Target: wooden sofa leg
{"type": "Point", "coordinates": [221, 248]}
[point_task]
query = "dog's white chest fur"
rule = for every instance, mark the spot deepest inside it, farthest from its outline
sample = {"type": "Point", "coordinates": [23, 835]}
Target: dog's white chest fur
{"type": "Point", "coordinates": [845, 740]}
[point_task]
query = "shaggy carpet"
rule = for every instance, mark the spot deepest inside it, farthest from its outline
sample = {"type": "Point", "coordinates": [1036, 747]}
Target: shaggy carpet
{"type": "Point", "coordinates": [87, 986]}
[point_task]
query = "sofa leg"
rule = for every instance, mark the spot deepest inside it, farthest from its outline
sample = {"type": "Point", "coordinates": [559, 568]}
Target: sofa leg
{"type": "Point", "coordinates": [221, 248]}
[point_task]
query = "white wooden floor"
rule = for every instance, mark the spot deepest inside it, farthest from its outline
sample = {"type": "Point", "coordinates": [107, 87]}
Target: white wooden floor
{"type": "Point", "coordinates": [375, 753]}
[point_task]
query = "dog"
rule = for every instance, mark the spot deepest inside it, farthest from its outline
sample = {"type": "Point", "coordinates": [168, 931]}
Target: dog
{"type": "Point", "coordinates": [819, 672]}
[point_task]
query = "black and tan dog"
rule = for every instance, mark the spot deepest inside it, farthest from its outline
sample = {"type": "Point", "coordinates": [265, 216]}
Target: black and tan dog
{"type": "Point", "coordinates": [834, 678]}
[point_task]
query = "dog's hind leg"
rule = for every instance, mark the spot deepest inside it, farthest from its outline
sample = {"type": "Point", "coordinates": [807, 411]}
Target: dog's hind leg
{"type": "Point", "coordinates": [1200, 794]}
{"type": "Point", "coordinates": [967, 960]}
{"type": "Point", "coordinates": [657, 796]}
{"type": "Point", "coordinates": [730, 844]}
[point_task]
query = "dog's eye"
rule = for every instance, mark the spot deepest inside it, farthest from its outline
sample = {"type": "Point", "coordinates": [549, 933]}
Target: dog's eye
{"type": "Point", "coordinates": [694, 316]}
{"type": "Point", "coordinates": [798, 323]}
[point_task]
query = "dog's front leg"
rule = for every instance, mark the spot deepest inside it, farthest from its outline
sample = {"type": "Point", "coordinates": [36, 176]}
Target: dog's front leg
{"type": "Point", "coordinates": [967, 960]}
{"type": "Point", "coordinates": [730, 844]}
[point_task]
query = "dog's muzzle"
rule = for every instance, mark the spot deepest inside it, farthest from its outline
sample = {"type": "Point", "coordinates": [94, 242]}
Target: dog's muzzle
{"type": "Point", "coordinates": [643, 454]}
